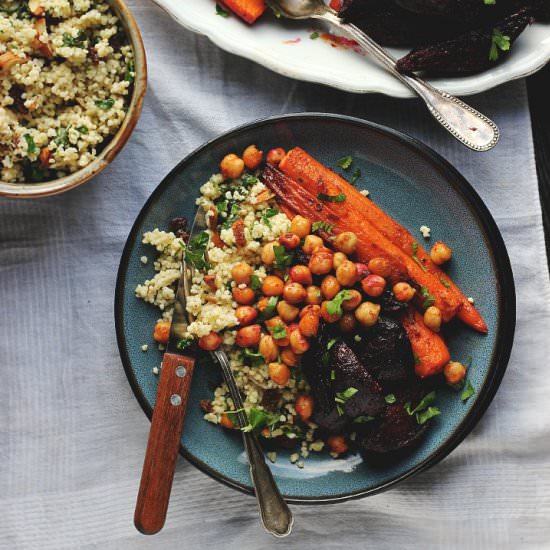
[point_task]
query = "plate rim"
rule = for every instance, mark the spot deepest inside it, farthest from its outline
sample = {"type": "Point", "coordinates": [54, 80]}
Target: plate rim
{"type": "Point", "coordinates": [486, 82]}
{"type": "Point", "coordinates": [505, 279]}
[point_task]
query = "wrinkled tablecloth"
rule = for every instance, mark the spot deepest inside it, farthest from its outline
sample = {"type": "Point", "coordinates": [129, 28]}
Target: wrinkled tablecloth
{"type": "Point", "coordinates": [72, 435]}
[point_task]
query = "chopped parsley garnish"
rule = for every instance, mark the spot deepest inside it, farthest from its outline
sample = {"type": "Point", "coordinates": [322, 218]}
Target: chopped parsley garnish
{"type": "Point", "coordinates": [130, 71]}
{"type": "Point", "coordinates": [235, 209]}
{"type": "Point", "coordinates": [314, 35]}
{"type": "Point", "coordinates": [331, 198]}
{"type": "Point", "coordinates": [221, 12]}
{"type": "Point", "coordinates": [270, 309]}
{"type": "Point", "coordinates": [282, 258]}
{"type": "Point", "coordinates": [194, 253]}
{"type": "Point", "coordinates": [417, 359]}
{"type": "Point", "coordinates": [468, 392]}
{"type": "Point", "coordinates": [489, 2]}
{"type": "Point", "coordinates": [32, 148]}
{"type": "Point", "coordinates": [77, 41]}
{"type": "Point", "coordinates": [255, 282]}
{"type": "Point", "coordinates": [184, 343]}
{"type": "Point", "coordinates": [221, 206]}
{"type": "Point", "coordinates": [423, 411]}
{"type": "Point", "coordinates": [105, 104]}
{"type": "Point", "coordinates": [499, 42]}
{"type": "Point", "coordinates": [363, 419]}
{"type": "Point", "coordinates": [269, 213]}
{"type": "Point", "coordinates": [429, 299]}
{"type": "Point", "coordinates": [82, 129]}
{"type": "Point", "coordinates": [248, 179]}
{"type": "Point", "coordinates": [345, 162]}
{"type": "Point", "coordinates": [256, 358]}
{"type": "Point", "coordinates": [62, 136]}
{"type": "Point", "coordinates": [445, 283]}
{"type": "Point", "coordinates": [279, 331]}
{"type": "Point", "coordinates": [258, 419]}
{"type": "Point", "coordinates": [334, 307]}
{"type": "Point", "coordinates": [322, 226]}
{"type": "Point", "coordinates": [355, 176]}
{"type": "Point", "coordinates": [333, 374]}
{"type": "Point", "coordinates": [390, 399]}
{"type": "Point", "coordinates": [331, 343]}
{"type": "Point", "coordinates": [415, 257]}
{"type": "Point", "coordinates": [342, 397]}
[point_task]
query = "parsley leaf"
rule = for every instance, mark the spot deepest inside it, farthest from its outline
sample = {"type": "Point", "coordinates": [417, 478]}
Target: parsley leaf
{"type": "Point", "coordinates": [415, 257]}
{"type": "Point", "coordinates": [334, 307]}
{"type": "Point", "coordinates": [429, 300]}
{"type": "Point", "coordinates": [355, 176]}
{"type": "Point", "coordinates": [184, 343]}
{"type": "Point", "coordinates": [269, 213]}
{"type": "Point", "coordinates": [345, 162]}
{"type": "Point", "coordinates": [331, 343]}
{"type": "Point", "coordinates": [221, 12]}
{"type": "Point", "coordinates": [498, 42]}
{"type": "Point", "coordinates": [314, 35]}
{"type": "Point", "coordinates": [424, 416]}
{"type": "Point", "coordinates": [279, 331]}
{"type": "Point", "coordinates": [82, 129]}
{"type": "Point", "coordinates": [445, 283]}
{"type": "Point", "coordinates": [105, 104]}
{"type": "Point", "coordinates": [270, 309]}
{"type": "Point", "coordinates": [468, 392]}
{"type": "Point", "coordinates": [194, 253]}
{"type": "Point", "coordinates": [256, 358]}
{"type": "Point", "coordinates": [342, 397]}
{"type": "Point", "coordinates": [130, 71]}
{"type": "Point", "coordinates": [426, 401]}
{"type": "Point", "coordinates": [32, 148]}
{"type": "Point", "coordinates": [331, 198]}
{"type": "Point", "coordinates": [363, 419]}
{"type": "Point", "coordinates": [255, 282]}
{"type": "Point", "coordinates": [77, 41]}
{"type": "Point", "coordinates": [322, 226]}
{"type": "Point", "coordinates": [258, 419]}
{"type": "Point", "coordinates": [62, 136]}
{"type": "Point", "coordinates": [282, 259]}
{"type": "Point", "coordinates": [390, 399]}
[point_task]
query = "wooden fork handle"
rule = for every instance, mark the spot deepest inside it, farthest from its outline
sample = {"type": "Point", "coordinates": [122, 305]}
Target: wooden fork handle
{"type": "Point", "coordinates": [163, 443]}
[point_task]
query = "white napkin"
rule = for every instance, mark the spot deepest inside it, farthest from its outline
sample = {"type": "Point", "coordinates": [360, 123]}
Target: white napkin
{"type": "Point", "coordinates": [72, 436]}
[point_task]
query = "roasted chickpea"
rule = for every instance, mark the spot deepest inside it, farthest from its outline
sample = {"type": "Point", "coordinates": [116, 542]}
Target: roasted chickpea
{"type": "Point", "coordinates": [279, 373]}
{"type": "Point", "coordinates": [403, 292]}
{"type": "Point", "coordinates": [252, 157]}
{"type": "Point", "coordinates": [337, 444]}
{"type": "Point", "coordinates": [300, 226]}
{"type": "Point", "coordinates": [294, 293]}
{"type": "Point", "coordinates": [289, 358]}
{"type": "Point", "coordinates": [454, 372]}
{"type": "Point", "coordinates": [367, 314]}
{"type": "Point", "coordinates": [301, 274]}
{"type": "Point", "coordinates": [311, 242]}
{"type": "Point", "coordinates": [262, 304]}
{"type": "Point", "coordinates": [311, 309]}
{"type": "Point", "coordinates": [338, 259]}
{"type": "Point", "coordinates": [440, 253]}
{"type": "Point", "coordinates": [314, 296]}
{"type": "Point", "coordinates": [277, 327]}
{"type": "Point", "coordinates": [267, 254]}
{"type": "Point", "coordinates": [245, 315]}
{"type": "Point", "coordinates": [161, 333]}
{"type": "Point", "coordinates": [373, 285]}
{"type": "Point", "coordinates": [241, 273]}
{"type": "Point", "coordinates": [330, 287]}
{"type": "Point", "coordinates": [353, 301]}
{"type": "Point", "coordinates": [304, 407]}
{"type": "Point", "coordinates": [290, 240]}
{"type": "Point", "coordinates": [275, 156]}
{"type": "Point", "coordinates": [248, 336]}
{"type": "Point", "coordinates": [347, 273]}
{"type": "Point", "coordinates": [298, 342]}
{"type": "Point", "coordinates": [309, 325]}
{"type": "Point", "coordinates": [244, 296]}
{"type": "Point", "coordinates": [329, 317]}
{"type": "Point", "coordinates": [432, 318]}
{"type": "Point", "coordinates": [225, 422]}
{"type": "Point", "coordinates": [272, 286]}
{"type": "Point", "coordinates": [231, 167]}
{"type": "Point", "coordinates": [210, 342]}
{"type": "Point", "coordinates": [380, 266]}
{"type": "Point", "coordinates": [346, 242]}
{"type": "Point", "coordinates": [287, 312]}
{"type": "Point", "coordinates": [268, 348]}
{"type": "Point", "coordinates": [347, 322]}
{"type": "Point", "coordinates": [320, 263]}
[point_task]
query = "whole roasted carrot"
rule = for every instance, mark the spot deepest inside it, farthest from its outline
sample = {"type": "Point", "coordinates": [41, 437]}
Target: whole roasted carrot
{"type": "Point", "coordinates": [370, 243]}
{"type": "Point", "coordinates": [430, 351]}
{"type": "Point", "coordinates": [317, 178]}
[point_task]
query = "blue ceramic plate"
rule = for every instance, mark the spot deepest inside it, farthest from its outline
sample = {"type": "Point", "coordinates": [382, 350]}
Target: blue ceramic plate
{"type": "Point", "coordinates": [415, 186]}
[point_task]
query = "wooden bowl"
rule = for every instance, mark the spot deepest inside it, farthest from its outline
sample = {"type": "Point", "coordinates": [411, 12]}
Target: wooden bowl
{"type": "Point", "coordinates": [117, 142]}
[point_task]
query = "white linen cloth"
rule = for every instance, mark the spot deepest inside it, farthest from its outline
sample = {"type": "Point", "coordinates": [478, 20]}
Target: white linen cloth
{"type": "Point", "coordinates": [72, 435]}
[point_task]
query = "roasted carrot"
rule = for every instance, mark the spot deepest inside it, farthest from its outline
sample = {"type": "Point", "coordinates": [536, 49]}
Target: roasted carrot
{"type": "Point", "coordinates": [430, 351]}
{"type": "Point", "coordinates": [317, 178]}
{"type": "Point", "coordinates": [249, 10]}
{"type": "Point", "coordinates": [371, 243]}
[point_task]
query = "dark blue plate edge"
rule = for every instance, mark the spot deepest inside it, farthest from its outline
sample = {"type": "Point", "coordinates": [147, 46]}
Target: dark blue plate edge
{"type": "Point", "coordinates": [506, 305]}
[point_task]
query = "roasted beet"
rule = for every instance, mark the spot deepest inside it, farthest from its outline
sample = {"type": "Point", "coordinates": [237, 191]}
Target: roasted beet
{"type": "Point", "coordinates": [386, 351]}
{"type": "Point", "coordinates": [390, 304]}
{"type": "Point", "coordinates": [179, 226]}
{"type": "Point", "coordinates": [468, 53]}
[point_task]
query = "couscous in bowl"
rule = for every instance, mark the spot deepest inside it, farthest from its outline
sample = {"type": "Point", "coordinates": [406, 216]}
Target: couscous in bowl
{"type": "Point", "coordinates": [115, 120]}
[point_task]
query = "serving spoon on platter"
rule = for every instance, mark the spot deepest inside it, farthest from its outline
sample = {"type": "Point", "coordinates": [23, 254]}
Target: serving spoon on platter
{"type": "Point", "coordinates": [470, 127]}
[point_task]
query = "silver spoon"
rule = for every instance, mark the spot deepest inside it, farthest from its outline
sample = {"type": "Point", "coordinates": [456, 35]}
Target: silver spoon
{"type": "Point", "coordinates": [470, 127]}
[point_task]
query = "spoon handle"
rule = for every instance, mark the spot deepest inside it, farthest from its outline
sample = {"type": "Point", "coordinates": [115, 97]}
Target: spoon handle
{"type": "Point", "coordinates": [469, 126]}
{"type": "Point", "coordinates": [275, 515]}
